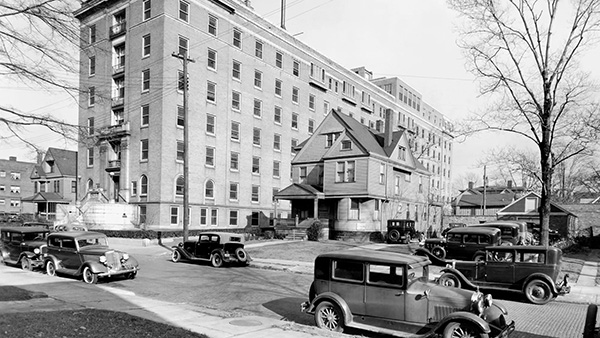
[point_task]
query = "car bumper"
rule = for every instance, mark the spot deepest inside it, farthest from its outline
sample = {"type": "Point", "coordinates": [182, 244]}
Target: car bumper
{"type": "Point", "coordinates": [506, 331]}
{"type": "Point", "coordinates": [121, 271]}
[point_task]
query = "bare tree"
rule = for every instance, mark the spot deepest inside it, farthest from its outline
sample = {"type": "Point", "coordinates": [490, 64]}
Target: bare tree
{"type": "Point", "coordinates": [525, 54]}
{"type": "Point", "coordinates": [513, 164]}
{"type": "Point", "coordinates": [38, 45]}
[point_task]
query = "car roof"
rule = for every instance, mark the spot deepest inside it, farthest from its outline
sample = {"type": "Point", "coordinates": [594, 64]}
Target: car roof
{"type": "Point", "coordinates": [499, 223]}
{"type": "Point", "coordinates": [529, 248]}
{"type": "Point", "coordinates": [77, 234]}
{"type": "Point", "coordinates": [374, 256]}
{"type": "Point", "coordinates": [474, 229]}
{"type": "Point", "coordinates": [25, 229]}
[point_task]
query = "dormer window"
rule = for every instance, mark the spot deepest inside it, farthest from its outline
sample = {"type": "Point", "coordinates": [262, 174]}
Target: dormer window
{"type": "Point", "coordinates": [346, 145]}
{"type": "Point", "coordinates": [330, 138]}
{"type": "Point", "coordinates": [402, 153]}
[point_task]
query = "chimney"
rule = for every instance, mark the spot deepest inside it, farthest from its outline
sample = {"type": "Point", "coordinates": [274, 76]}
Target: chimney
{"type": "Point", "coordinates": [388, 133]}
{"type": "Point", "coordinates": [283, 5]}
{"type": "Point", "coordinates": [470, 185]}
{"type": "Point", "coordinates": [12, 158]}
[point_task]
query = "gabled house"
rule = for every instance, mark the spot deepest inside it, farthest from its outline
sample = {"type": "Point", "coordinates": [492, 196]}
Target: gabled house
{"type": "Point", "coordinates": [55, 182]}
{"type": "Point", "coordinates": [354, 179]}
{"type": "Point", "coordinates": [473, 200]}
{"type": "Point", "coordinates": [526, 209]}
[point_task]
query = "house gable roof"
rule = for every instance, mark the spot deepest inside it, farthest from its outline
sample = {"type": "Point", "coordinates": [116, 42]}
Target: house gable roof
{"type": "Point", "coordinates": [519, 206]}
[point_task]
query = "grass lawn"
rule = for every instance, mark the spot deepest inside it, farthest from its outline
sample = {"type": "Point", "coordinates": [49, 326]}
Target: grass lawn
{"type": "Point", "coordinates": [304, 251]}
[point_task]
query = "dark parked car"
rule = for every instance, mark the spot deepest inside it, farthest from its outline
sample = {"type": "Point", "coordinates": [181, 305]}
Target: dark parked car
{"type": "Point", "coordinates": [590, 330]}
{"type": "Point", "coordinates": [216, 247]}
{"type": "Point", "coordinates": [510, 232]}
{"type": "Point", "coordinates": [462, 243]}
{"type": "Point", "coordinates": [531, 270]}
{"type": "Point", "coordinates": [400, 230]}
{"type": "Point", "coordinates": [48, 226]}
{"type": "Point", "coordinates": [22, 246]}
{"type": "Point", "coordinates": [391, 293]}
{"type": "Point", "coordinates": [86, 254]}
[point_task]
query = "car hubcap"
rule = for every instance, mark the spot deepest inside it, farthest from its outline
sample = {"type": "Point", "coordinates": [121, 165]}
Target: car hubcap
{"type": "Point", "coordinates": [330, 319]}
{"type": "Point", "coordinates": [461, 332]}
{"type": "Point", "coordinates": [538, 292]}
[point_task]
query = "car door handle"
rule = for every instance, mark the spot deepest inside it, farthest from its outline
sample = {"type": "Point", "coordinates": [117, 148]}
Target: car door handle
{"type": "Point", "coordinates": [399, 294]}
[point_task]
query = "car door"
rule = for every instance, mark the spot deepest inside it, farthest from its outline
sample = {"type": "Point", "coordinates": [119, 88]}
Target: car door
{"type": "Point", "coordinates": [348, 282]}
{"type": "Point", "coordinates": [67, 253]}
{"type": "Point", "coordinates": [500, 266]}
{"type": "Point", "coordinates": [203, 247]}
{"type": "Point", "coordinates": [13, 245]}
{"type": "Point", "coordinates": [385, 292]}
{"type": "Point", "coordinates": [454, 245]}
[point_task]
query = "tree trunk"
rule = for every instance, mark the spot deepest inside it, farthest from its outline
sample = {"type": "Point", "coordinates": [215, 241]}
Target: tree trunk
{"type": "Point", "coordinates": [547, 166]}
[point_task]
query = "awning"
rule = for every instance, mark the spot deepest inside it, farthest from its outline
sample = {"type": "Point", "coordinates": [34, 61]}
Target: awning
{"type": "Point", "coordinates": [45, 197]}
{"type": "Point", "coordinates": [297, 191]}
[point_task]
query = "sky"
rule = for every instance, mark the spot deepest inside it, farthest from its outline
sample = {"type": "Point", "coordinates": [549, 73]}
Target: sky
{"type": "Point", "coordinates": [414, 40]}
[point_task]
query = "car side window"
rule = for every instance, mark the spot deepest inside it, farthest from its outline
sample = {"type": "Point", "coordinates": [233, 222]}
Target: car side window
{"type": "Point", "coordinates": [54, 242]}
{"type": "Point", "coordinates": [530, 257]}
{"type": "Point", "coordinates": [348, 270]}
{"type": "Point", "coordinates": [5, 236]}
{"type": "Point", "coordinates": [455, 238]}
{"type": "Point", "coordinates": [204, 238]}
{"type": "Point", "coordinates": [68, 243]}
{"type": "Point", "coordinates": [214, 239]}
{"type": "Point", "coordinates": [484, 239]}
{"type": "Point", "coordinates": [470, 238]}
{"type": "Point", "coordinates": [385, 275]}
{"type": "Point", "coordinates": [17, 237]}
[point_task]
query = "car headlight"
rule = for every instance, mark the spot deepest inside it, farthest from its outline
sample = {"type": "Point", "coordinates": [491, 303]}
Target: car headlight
{"type": "Point", "coordinates": [102, 259]}
{"type": "Point", "coordinates": [477, 303]}
{"type": "Point", "coordinates": [36, 251]}
{"type": "Point", "coordinates": [487, 300]}
{"type": "Point", "coordinates": [125, 256]}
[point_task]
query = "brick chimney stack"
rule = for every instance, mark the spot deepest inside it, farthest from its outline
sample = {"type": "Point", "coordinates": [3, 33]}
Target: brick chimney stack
{"type": "Point", "coordinates": [388, 132]}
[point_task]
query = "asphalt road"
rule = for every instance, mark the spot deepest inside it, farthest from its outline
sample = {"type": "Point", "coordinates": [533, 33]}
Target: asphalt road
{"type": "Point", "coordinates": [278, 294]}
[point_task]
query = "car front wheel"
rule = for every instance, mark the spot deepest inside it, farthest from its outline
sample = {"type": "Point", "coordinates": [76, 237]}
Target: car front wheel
{"type": "Point", "coordinates": [89, 277]}
{"type": "Point", "coordinates": [439, 252]}
{"type": "Point", "coordinates": [462, 330]}
{"type": "Point", "coordinates": [51, 269]}
{"type": "Point", "coordinates": [538, 292]}
{"type": "Point", "coordinates": [329, 316]}
{"type": "Point", "coordinates": [175, 256]}
{"type": "Point", "coordinates": [217, 260]}
{"type": "Point", "coordinates": [26, 264]}
{"type": "Point", "coordinates": [449, 279]}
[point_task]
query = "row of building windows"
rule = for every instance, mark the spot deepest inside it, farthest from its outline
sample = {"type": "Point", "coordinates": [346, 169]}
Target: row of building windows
{"type": "Point", "coordinates": [13, 175]}
{"type": "Point", "coordinates": [12, 203]}
{"type": "Point", "coordinates": [14, 189]}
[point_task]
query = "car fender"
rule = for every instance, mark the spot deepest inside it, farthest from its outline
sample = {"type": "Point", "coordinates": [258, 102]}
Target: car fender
{"type": "Point", "coordinates": [543, 277]}
{"type": "Point", "coordinates": [53, 259]}
{"type": "Point", "coordinates": [95, 266]}
{"type": "Point", "coordinates": [26, 254]}
{"type": "Point", "coordinates": [336, 299]}
{"type": "Point", "coordinates": [434, 260]}
{"type": "Point", "coordinates": [464, 281]}
{"type": "Point", "coordinates": [463, 316]}
{"type": "Point", "coordinates": [182, 251]}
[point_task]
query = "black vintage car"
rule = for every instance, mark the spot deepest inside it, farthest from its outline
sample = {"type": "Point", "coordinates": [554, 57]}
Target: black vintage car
{"type": "Point", "coordinates": [216, 247]}
{"type": "Point", "coordinates": [462, 243]}
{"type": "Point", "coordinates": [530, 270]}
{"type": "Point", "coordinates": [22, 246]}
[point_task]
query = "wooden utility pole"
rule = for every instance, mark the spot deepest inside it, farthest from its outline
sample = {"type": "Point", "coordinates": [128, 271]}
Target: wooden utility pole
{"type": "Point", "coordinates": [186, 168]}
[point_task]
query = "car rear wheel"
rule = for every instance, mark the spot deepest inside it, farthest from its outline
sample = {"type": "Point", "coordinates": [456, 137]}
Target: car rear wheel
{"type": "Point", "coordinates": [394, 236]}
{"type": "Point", "coordinates": [462, 330]}
{"type": "Point", "coordinates": [479, 257]}
{"type": "Point", "coordinates": [329, 316]}
{"type": "Point", "coordinates": [438, 252]}
{"type": "Point", "coordinates": [175, 256]}
{"type": "Point", "coordinates": [241, 255]}
{"type": "Point", "coordinates": [51, 269]}
{"type": "Point", "coordinates": [217, 260]}
{"type": "Point", "coordinates": [449, 279]}
{"type": "Point", "coordinates": [26, 264]}
{"type": "Point", "coordinates": [538, 292]}
{"type": "Point", "coordinates": [89, 277]}
{"type": "Point", "coordinates": [589, 329]}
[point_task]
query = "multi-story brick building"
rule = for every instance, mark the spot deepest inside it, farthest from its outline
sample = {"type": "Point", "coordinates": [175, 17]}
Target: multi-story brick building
{"type": "Point", "coordinates": [14, 185]}
{"type": "Point", "coordinates": [255, 93]}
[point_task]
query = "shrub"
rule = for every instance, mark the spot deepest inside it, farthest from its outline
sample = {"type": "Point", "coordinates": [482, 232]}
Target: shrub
{"type": "Point", "coordinates": [314, 231]}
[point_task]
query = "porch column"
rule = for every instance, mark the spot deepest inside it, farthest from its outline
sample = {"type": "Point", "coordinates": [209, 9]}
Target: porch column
{"type": "Point", "coordinates": [275, 212]}
{"type": "Point", "coordinates": [316, 208]}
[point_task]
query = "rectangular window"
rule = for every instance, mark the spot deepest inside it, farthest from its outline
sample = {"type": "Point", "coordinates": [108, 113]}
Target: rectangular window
{"type": "Point", "coordinates": [354, 209]}
{"type": "Point", "coordinates": [397, 185]}
{"type": "Point", "coordinates": [255, 193]}
{"type": "Point", "coordinates": [145, 115]}
{"type": "Point", "coordinates": [184, 11]}
{"type": "Point", "coordinates": [91, 125]}
{"type": "Point", "coordinates": [295, 94]}
{"type": "Point", "coordinates": [402, 153]}
{"type": "Point", "coordinates": [256, 165]}
{"type": "Point", "coordinates": [210, 124]}
{"type": "Point", "coordinates": [278, 84]}
{"type": "Point", "coordinates": [235, 131]}
{"type": "Point", "coordinates": [236, 99]}
{"type": "Point", "coordinates": [147, 8]}
{"type": "Point", "coordinates": [302, 175]}
{"type": "Point", "coordinates": [203, 213]}
{"type": "Point", "coordinates": [174, 215]}
{"type": "Point", "coordinates": [183, 46]}
{"type": "Point", "coordinates": [237, 38]}
{"type": "Point", "coordinates": [211, 92]}
{"type": "Point", "coordinates": [92, 63]}
{"type": "Point", "coordinates": [233, 217]}
{"type": "Point", "coordinates": [212, 25]}
{"type": "Point", "coordinates": [236, 70]}
{"type": "Point", "coordinates": [146, 45]}
{"type": "Point", "coordinates": [279, 59]}
{"type": "Point", "coordinates": [258, 49]}
{"type": "Point", "coordinates": [277, 142]}
{"type": "Point", "coordinates": [144, 149]}
{"type": "Point", "coordinates": [311, 126]}
{"type": "Point", "coordinates": [133, 188]}
{"type": "Point", "coordinates": [214, 216]}
{"type": "Point", "coordinates": [346, 145]}
{"type": "Point", "coordinates": [210, 157]}
{"type": "Point", "coordinates": [276, 168]}
{"type": "Point", "coordinates": [180, 151]}
{"type": "Point", "coordinates": [145, 80]}
{"type": "Point", "coordinates": [294, 121]}
{"type": "Point", "coordinates": [277, 115]}
{"type": "Point", "coordinates": [296, 68]}
{"type": "Point", "coordinates": [212, 59]}
{"type": "Point", "coordinates": [256, 137]}
{"type": "Point", "coordinates": [91, 96]}
{"type": "Point", "coordinates": [180, 116]}
{"type": "Point", "coordinates": [257, 79]}
{"type": "Point", "coordinates": [257, 108]}
{"type": "Point", "coordinates": [233, 191]}
{"type": "Point", "coordinates": [90, 157]}
{"type": "Point", "coordinates": [92, 33]}
{"type": "Point", "coordinates": [311, 102]}
{"type": "Point", "coordinates": [381, 173]}
{"type": "Point", "coordinates": [234, 161]}
{"type": "Point", "coordinates": [181, 81]}
{"type": "Point", "coordinates": [294, 144]}
{"type": "Point", "coordinates": [344, 171]}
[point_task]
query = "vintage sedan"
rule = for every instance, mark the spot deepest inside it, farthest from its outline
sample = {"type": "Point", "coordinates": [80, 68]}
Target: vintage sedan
{"type": "Point", "coordinates": [531, 270]}
{"type": "Point", "coordinates": [463, 243]}
{"type": "Point", "coordinates": [22, 246]}
{"type": "Point", "coordinates": [390, 293]}
{"type": "Point", "coordinates": [218, 248]}
{"type": "Point", "coordinates": [86, 254]}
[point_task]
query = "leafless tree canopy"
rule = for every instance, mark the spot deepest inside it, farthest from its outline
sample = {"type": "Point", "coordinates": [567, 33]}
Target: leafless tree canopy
{"type": "Point", "coordinates": [38, 44]}
{"type": "Point", "coordinates": [525, 54]}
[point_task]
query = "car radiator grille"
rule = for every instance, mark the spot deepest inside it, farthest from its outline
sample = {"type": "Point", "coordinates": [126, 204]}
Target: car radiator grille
{"type": "Point", "coordinates": [440, 312]}
{"type": "Point", "coordinates": [113, 260]}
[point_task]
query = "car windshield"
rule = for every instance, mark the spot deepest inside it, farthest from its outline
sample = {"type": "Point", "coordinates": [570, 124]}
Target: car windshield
{"type": "Point", "coordinates": [418, 273]}
{"type": "Point", "coordinates": [34, 236]}
{"type": "Point", "coordinates": [92, 241]}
